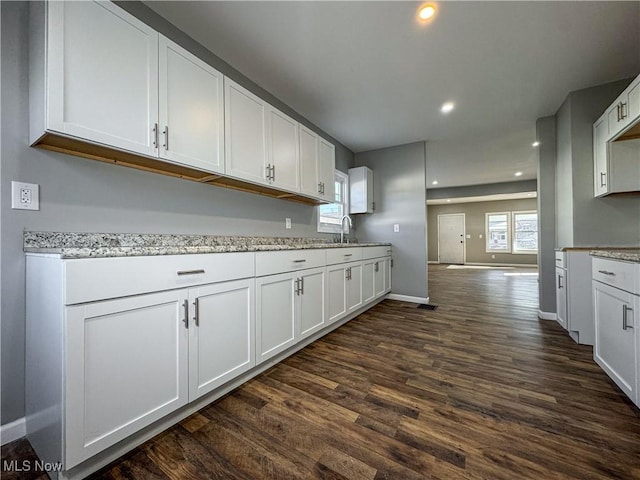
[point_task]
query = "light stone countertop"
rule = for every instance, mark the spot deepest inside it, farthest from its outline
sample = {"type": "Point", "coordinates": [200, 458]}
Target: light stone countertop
{"type": "Point", "coordinates": [101, 245]}
{"type": "Point", "coordinates": [629, 255]}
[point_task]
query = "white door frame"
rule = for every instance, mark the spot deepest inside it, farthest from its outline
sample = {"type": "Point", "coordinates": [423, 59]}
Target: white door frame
{"type": "Point", "coordinates": [464, 234]}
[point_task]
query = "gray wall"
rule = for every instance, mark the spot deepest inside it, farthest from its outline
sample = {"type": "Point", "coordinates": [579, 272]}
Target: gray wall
{"type": "Point", "coordinates": [475, 226]}
{"type": "Point", "coordinates": [546, 135]}
{"type": "Point", "coordinates": [86, 196]}
{"type": "Point", "coordinates": [563, 184]}
{"type": "Point", "coordinates": [400, 195]}
{"type": "Point", "coordinates": [581, 219]}
{"type": "Point", "coordinates": [611, 220]}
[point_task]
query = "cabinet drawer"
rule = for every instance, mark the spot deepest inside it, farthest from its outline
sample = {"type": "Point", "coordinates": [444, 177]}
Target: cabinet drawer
{"type": "Point", "coordinates": [619, 274]}
{"type": "Point", "coordinates": [561, 259]}
{"type": "Point", "coordinates": [341, 255]}
{"type": "Point", "coordinates": [94, 279]}
{"type": "Point", "coordinates": [376, 252]}
{"type": "Point", "coordinates": [269, 263]}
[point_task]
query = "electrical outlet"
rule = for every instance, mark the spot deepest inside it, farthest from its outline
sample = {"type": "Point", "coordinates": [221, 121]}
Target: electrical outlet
{"type": "Point", "coordinates": [287, 223]}
{"type": "Point", "coordinates": [25, 196]}
{"type": "Point", "coordinates": [396, 227]}
{"type": "Point", "coordinates": [493, 256]}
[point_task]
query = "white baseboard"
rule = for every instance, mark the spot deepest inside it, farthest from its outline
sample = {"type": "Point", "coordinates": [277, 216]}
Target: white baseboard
{"type": "Point", "coordinates": [547, 315]}
{"type": "Point", "coordinates": [523, 265]}
{"type": "Point", "coordinates": [433, 261]}
{"type": "Point", "coordinates": [407, 298]}
{"type": "Point", "coordinates": [13, 431]}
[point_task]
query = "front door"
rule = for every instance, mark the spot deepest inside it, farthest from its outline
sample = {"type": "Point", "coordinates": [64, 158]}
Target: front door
{"type": "Point", "coordinates": [451, 238]}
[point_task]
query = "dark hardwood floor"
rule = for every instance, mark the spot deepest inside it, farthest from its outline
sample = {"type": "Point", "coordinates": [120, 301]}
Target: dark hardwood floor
{"type": "Point", "coordinates": [478, 388]}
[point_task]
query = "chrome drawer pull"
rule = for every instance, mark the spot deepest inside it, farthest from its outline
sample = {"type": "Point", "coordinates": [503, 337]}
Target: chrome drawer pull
{"type": "Point", "coordinates": [625, 320]}
{"type": "Point", "coordinates": [299, 261]}
{"type": "Point", "coordinates": [190, 272]}
{"type": "Point", "coordinates": [604, 272]}
{"type": "Point", "coordinates": [348, 254]}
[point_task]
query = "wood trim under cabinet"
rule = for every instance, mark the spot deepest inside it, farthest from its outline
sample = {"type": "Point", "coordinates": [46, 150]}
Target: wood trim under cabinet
{"type": "Point", "coordinates": [80, 148]}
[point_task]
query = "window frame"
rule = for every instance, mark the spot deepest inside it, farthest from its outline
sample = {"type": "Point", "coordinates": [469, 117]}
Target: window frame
{"type": "Point", "coordinates": [487, 236]}
{"type": "Point", "coordinates": [324, 227]}
{"type": "Point", "coordinates": [513, 236]}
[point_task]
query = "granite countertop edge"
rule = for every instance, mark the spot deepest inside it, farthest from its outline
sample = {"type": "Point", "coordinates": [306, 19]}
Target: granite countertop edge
{"type": "Point", "coordinates": [629, 255]}
{"type": "Point", "coordinates": [77, 246]}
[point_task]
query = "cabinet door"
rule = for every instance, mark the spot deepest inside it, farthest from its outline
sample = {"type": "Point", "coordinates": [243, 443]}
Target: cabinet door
{"type": "Point", "coordinates": [312, 300]}
{"type": "Point", "coordinates": [388, 264]}
{"type": "Point", "coordinates": [354, 287]}
{"type": "Point", "coordinates": [275, 315]}
{"type": "Point", "coordinates": [368, 280]}
{"type": "Point", "coordinates": [102, 74]}
{"type": "Point", "coordinates": [326, 170]}
{"type": "Point", "coordinates": [245, 134]}
{"type": "Point", "coordinates": [191, 125]}
{"type": "Point", "coordinates": [379, 278]}
{"type": "Point", "coordinates": [309, 150]}
{"type": "Point", "coordinates": [336, 292]}
{"type": "Point", "coordinates": [600, 146]}
{"type": "Point", "coordinates": [127, 366]}
{"type": "Point", "coordinates": [561, 297]}
{"type": "Point", "coordinates": [221, 334]}
{"type": "Point", "coordinates": [616, 343]}
{"type": "Point", "coordinates": [283, 151]}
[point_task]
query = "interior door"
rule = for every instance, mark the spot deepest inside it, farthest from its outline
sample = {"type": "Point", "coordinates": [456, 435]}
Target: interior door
{"type": "Point", "coordinates": [451, 238]}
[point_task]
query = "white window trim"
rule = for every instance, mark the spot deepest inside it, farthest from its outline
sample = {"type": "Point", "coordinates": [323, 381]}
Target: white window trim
{"type": "Point", "coordinates": [487, 236]}
{"type": "Point", "coordinates": [328, 228]}
{"type": "Point", "coordinates": [513, 235]}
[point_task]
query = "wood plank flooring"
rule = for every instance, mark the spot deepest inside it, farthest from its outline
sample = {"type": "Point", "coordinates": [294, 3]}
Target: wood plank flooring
{"type": "Point", "coordinates": [477, 389]}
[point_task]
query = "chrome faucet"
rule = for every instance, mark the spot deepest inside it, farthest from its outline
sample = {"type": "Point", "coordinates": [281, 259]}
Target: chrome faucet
{"type": "Point", "coordinates": [342, 226]}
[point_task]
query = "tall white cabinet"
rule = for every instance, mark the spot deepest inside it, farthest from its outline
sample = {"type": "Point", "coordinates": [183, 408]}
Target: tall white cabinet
{"type": "Point", "coordinates": [190, 128]}
{"type": "Point", "coordinates": [84, 89]}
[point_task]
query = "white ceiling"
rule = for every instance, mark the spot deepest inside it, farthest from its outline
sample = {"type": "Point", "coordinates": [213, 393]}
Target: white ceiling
{"type": "Point", "coordinates": [372, 76]}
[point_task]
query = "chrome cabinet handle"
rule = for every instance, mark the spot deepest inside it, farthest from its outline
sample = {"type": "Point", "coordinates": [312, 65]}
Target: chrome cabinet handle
{"type": "Point", "coordinates": [348, 254]}
{"type": "Point", "coordinates": [185, 305]}
{"type": "Point", "coordinates": [558, 259]}
{"type": "Point", "coordinates": [299, 261]}
{"type": "Point", "coordinates": [273, 173]}
{"type": "Point", "coordinates": [302, 285]}
{"type": "Point", "coordinates": [165, 132]}
{"type": "Point", "coordinates": [196, 316]}
{"type": "Point", "coordinates": [190, 272]}
{"type": "Point", "coordinates": [604, 272]}
{"type": "Point", "coordinates": [560, 281]}
{"type": "Point", "coordinates": [297, 287]}
{"type": "Point", "coordinates": [623, 115]}
{"type": "Point", "coordinates": [268, 173]}
{"type": "Point", "coordinates": [603, 183]}
{"type": "Point", "coordinates": [155, 135]}
{"type": "Point", "coordinates": [625, 320]}
{"type": "Point", "coordinates": [618, 111]}
{"type": "Point", "coordinates": [376, 267]}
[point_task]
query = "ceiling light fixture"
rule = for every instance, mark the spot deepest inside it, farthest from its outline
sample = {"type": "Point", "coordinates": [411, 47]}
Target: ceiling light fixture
{"type": "Point", "coordinates": [426, 12]}
{"type": "Point", "coordinates": [448, 199]}
{"type": "Point", "coordinates": [447, 107]}
{"type": "Point", "coordinates": [535, 144]}
{"type": "Point", "coordinates": [435, 182]}
{"type": "Point", "coordinates": [518, 174]}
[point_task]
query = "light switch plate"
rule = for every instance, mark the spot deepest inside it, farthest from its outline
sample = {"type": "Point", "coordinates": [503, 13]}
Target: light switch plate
{"type": "Point", "coordinates": [396, 227]}
{"type": "Point", "coordinates": [287, 223]}
{"type": "Point", "coordinates": [25, 196]}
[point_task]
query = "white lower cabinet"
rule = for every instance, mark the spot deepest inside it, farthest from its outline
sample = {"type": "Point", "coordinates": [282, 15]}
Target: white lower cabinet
{"type": "Point", "coordinates": [221, 334]}
{"type": "Point", "coordinates": [275, 314]}
{"type": "Point", "coordinates": [561, 296]}
{"type": "Point", "coordinates": [127, 366]}
{"type": "Point", "coordinates": [290, 306]}
{"type": "Point", "coordinates": [616, 349]}
{"type": "Point", "coordinates": [114, 345]}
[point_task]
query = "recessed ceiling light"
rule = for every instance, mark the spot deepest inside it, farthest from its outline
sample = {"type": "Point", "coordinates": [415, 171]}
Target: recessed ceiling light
{"type": "Point", "coordinates": [517, 174]}
{"type": "Point", "coordinates": [426, 12]}
{"type": "Point", "coordinates": [447, 107]}
{"type": "Point", "coordinates": [448, 199]}
{"type": "Point", "coordinates": [435, 182]}
{"type": "Point", "coordinates": [535, 144]}
{"type": "Point", "coordinates": [529, 194]}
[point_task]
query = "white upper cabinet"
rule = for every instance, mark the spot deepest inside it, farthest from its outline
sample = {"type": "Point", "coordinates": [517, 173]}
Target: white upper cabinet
{"type": "Point", "coordinates": [309, 151]}
{"type": "Point", "coordinates": [101, 76]}
{"type": "Point", "coordinates": [191, 117]}
{"type": "Point", "coordinates": [360, 190]}
{"type": "Point", "coordinates": [245, 133]}
{"type": "Point", "coordinates": [625, 110]}
{"type": "Point", "coordinates": [326, 170]}
{"type": "Point", "coordinates": [283, 152]}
